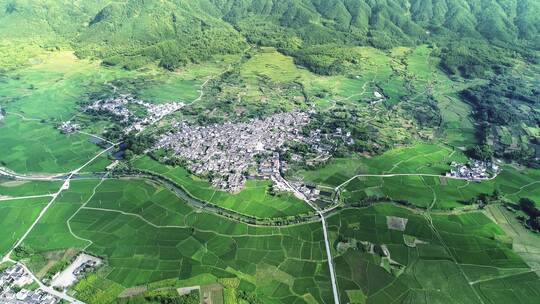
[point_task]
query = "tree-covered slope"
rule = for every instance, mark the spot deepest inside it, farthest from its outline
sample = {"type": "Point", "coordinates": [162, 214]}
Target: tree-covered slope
{"type": "Point", "coordinates": [171, 32]}
{"type": "Point", "coordinates": [129, 33]}
{"type": "Point", "coordinates": [389, 22]}
{"type": "Point", "coordinates": [174, 32]}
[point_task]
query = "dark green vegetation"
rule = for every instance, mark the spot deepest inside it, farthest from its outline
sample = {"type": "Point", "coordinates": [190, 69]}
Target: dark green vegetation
{"type": "Point", "coordinates": [532, 213]}
{"type": "Point", "coordinates": [437, 259]}
{"type": "Point", "coordinates": [131, 33]}
{"type": "Point", "coordinates": [507, 111]}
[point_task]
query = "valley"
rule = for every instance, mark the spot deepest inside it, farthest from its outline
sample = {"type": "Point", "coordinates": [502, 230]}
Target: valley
{"type": "Point", "coordinates": [226, 152]}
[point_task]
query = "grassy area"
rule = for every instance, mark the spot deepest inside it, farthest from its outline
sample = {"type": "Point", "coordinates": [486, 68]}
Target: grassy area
{"type": "Point", "coordinates": [465, 252]}
{"type": "Point", "coordinates": [51, 89]}
{"type": "Point", "coordinates": [252, 200]}
{"type": "Point", "coordinates": [184, 84]}
{"type": "Point", "coordinates": [373, 68]}
{"type": "Point", "coordinates": [24, 188]}
{"type": "Point", "coordinates": [418, 158]}
{"type": "Point", "coordinates": [15, 53]}
{"type": "Point", "coordinates": [30, 146]}
{"type": "Point", "coordinates": [269, 81]}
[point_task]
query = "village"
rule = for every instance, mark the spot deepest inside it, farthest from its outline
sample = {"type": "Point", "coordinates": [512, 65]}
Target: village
{"type": "Point", "coordinates": [225, 152]}
{"type": "Point", "coordinates": [119, 108]}
{"type": "Point", "coordinates": [474, 170]}
{"type": "Point", "coordinates": [18, 286]}
{"type": "Point", "coordinates": [12, 291]}
{"type": "Point", "coordinates": [272, 168]}
{"type": "Point", "coordinates": [68, 127]}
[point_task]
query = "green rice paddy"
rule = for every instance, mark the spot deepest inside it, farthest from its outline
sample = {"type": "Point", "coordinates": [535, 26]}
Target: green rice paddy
{"type": "Point", "coordinates": [15, 188]}
{"type": "Point", "coordinates": [253, 199]}
{"type": "Point", "coordinates": [16, 217]}
{"type": "Point", "coordinates": [422, 191]}
{"type": "Point", "coordinates": [456, 252]}
{"type": "Point", "coordinates": [31, 146]}
{"type": "Point", "coordinates": [418, 158]}
{"type": "Point", "coordinates": [443, 193]}
{"type": "Point", "coordinates": [147, 234]}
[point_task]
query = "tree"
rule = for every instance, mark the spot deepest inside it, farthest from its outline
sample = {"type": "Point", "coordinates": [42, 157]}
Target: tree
{"type": "Point", "coordinates": [496, 194]}
{"type": "Point", "coordinates": [11, 7]}
{"type": "Point", "coordinates": [534, 223]}
{"type": "Point", "coordinates": [482, 152]}
{"type": "Point", "coordinates": [128, 154]}
{"type": "Point", "coordinates": [529, 207]}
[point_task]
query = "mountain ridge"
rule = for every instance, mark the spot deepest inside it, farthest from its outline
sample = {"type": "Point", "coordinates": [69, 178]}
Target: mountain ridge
{"type": "Point", "coordinates": [174, 32]}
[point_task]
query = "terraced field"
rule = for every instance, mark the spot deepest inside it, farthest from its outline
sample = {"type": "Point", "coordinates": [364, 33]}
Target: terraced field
{"type": "Point", "coordinates": [147, 234]}
{"type": "Point", "coordinates": [16, 217]}
{"type": "Point", "coordinates": [429, 260]}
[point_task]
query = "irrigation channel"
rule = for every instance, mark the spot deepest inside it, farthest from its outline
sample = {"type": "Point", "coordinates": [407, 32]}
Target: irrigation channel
{"type": "Point", "coordinates": [183, 194]}
{"type": "Point", "coordinates": [197, 203]}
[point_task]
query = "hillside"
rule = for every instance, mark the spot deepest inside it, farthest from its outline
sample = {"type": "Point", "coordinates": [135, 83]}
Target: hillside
{"type": "Point", "coordinates": [132, 33]}
{"type": "Point", "coordinates": [489, 39]}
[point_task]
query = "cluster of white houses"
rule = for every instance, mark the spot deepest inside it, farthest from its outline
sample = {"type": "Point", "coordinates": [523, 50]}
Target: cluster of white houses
{"type": "Point", "coordinates": [119, 108]}
{"type": "Point", "coordinates": [68, 127]}
{"type": "Point", "coordinates": [474, 170]}
{"type": "Point", "coordinates": [13, 281]}
{"type": "Point", "coordinates": [226, 151]}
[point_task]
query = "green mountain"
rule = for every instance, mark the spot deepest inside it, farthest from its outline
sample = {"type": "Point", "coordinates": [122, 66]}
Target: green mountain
{"type": "Point", "coordinates": [174, 32]}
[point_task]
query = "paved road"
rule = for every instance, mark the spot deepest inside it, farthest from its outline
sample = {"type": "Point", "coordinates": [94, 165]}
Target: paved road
{"type": "Point", "coordinates": [330, 260]}
{"type": "Point", "coordinates": [409, 174]}
{"type": "Point", "coordinates": [301, 196]}
{"type": "Point", "coordinates": [64, 186]}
